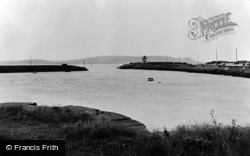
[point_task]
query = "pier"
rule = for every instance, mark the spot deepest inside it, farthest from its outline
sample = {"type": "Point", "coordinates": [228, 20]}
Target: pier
{"type": "Point", "coordinates": [40, 68]}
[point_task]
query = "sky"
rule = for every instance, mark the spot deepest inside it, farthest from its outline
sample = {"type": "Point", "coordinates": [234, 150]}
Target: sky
{"type": "Point", "coordinates": [73, 29]}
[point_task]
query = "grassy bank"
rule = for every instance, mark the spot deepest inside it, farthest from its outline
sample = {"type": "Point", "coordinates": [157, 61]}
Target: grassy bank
{"type": "Point", "coordinates": [86, 134]}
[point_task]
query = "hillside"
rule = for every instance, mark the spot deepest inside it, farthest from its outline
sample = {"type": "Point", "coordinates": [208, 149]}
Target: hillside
{"type": "Point", "coordinates": [101, 60]}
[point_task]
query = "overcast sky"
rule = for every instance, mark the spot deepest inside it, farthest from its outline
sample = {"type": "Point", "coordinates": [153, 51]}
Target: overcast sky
{"type": "Point", "coordinates": [72, 29]}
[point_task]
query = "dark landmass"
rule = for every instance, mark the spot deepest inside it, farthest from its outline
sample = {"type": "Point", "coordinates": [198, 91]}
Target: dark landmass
{"type": "Point", "coordinates": [99, 60]}
{"type": "Point", "coordinates": [40, 68]}
{"type": "Point", "coordinates": [89, 131]}
{"type": "Point", "coordinates": [240, 71]}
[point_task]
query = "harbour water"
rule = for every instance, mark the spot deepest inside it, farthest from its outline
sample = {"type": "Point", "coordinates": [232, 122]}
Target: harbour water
{"type": "Point", "coordinates": [173, 98]}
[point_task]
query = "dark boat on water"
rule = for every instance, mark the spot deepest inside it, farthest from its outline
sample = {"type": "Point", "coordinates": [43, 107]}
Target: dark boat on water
{"type": "Point", "coordinates": [150, 79]}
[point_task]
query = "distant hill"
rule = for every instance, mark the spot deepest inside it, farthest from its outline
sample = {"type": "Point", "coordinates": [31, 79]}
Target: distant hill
{"type": "Point", "coordinates": [102, 60]}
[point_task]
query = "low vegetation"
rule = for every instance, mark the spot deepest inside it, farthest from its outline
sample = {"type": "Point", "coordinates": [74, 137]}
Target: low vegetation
{"type": "Point", "coordinates": [86, 135]}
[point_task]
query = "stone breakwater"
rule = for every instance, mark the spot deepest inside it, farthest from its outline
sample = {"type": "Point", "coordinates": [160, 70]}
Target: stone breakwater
{"type": "Point", "coordinates": [239, 71]}
{"type": "Point", "coordinates": [40, 68]}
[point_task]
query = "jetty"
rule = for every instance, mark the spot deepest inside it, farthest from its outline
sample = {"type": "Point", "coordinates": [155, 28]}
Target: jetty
{"type": "Point", "coordinates": [238, 68]}
{"type": "Point", "coordinates": [40, 68]}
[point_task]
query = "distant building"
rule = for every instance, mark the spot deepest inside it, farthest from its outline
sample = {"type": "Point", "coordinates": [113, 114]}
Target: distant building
{"type": "Point", "coordinates": [242, 63]}
{"type": "Point", "coordinates": [144, 59]}
{"type": "Point", "coordinates": [238, 63]}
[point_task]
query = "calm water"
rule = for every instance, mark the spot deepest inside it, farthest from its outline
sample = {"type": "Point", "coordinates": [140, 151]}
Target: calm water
{"type": "Point", "coordinates": [179, 97]}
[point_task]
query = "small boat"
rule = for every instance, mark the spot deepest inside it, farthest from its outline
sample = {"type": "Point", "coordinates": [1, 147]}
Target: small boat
{"type": "Point", "coordinates": [150, 79]}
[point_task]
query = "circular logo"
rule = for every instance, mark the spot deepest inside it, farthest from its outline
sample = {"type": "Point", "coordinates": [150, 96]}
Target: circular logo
{"type": "Point", "coordinates": [8, 147]}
